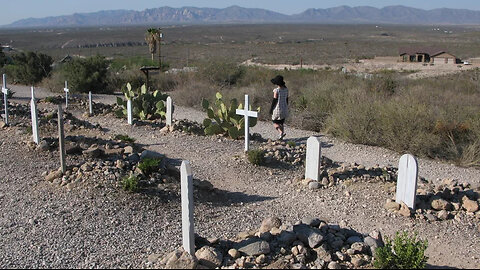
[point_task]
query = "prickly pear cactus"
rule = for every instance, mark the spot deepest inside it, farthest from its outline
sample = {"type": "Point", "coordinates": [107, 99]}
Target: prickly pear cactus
{"type": "Point", "coordinates": [145, 105]}
{"type": "Point", "coordinates": [223, 119]}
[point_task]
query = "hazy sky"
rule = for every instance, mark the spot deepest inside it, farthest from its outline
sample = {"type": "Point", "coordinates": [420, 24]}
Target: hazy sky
{"type": "Point", "coordinates": [12, 10]}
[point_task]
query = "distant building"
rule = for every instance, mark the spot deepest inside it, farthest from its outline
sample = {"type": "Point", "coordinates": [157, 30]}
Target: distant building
{"type": "Point", "coordinates": [427, 55]}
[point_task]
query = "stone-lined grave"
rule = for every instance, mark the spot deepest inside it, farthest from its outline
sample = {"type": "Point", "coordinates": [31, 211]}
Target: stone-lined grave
{"type": "Point", "coordinates": [310, 243]}
{"type": "Point", "coordinates": [449, 200]}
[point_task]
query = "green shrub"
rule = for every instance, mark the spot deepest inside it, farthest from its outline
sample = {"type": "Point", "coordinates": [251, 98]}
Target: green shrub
{"type": "Point", "coordinates": [29, 68]}
{"type": "Point", "coordinates": [149, 166]}
{"type": "Point", "coordinates": [403, 252]}
{"type": "Point", "coordinates": [124, 138]}
{"type": "Point", "coordinates": [3, 58]}
{"type": "Point", "coordinates": [130, 183]}
{"type": "Point", "coordinates": [292, 144]}
{"type": "Point", "coordinates": [84, 75]}
{"type": "Point", "coordinates": [222, 72]}
{"type": "Point", "coordinates": [256, 157]}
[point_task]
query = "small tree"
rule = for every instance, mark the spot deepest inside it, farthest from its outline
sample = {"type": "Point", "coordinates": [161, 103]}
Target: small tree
{"type": "Point", "coordinates": [30, 68]}
{"type": "Point", "coordinates": [90, 74]}
{"type": "Point", "coordinates": [3, 58]}
{"type": "Point", "coordinates": [152, 37]}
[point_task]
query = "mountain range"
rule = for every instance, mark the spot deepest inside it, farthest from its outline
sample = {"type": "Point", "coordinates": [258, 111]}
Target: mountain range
{"type": "Point", "coordinates": [236, 14]}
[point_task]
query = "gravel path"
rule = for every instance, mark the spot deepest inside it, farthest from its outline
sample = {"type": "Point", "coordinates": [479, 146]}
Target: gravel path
{"type": "Point", "coordinates": [104, 227]}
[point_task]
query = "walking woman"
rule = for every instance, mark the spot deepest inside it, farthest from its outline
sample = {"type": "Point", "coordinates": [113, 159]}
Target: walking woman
{"type": "Point", "coordinates": [279, 109]}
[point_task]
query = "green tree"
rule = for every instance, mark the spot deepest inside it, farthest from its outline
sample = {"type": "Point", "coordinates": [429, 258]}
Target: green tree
{"type": "Point", "coordinates": [3, 58]}
{"type": "Point", "coordinates": [84, 75]}
{"type": "Point", "coordinates": [30, 68]}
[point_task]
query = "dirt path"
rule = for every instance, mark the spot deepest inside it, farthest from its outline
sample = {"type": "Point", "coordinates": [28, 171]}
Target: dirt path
{"type": "Point", "coordinates": [105, 228]}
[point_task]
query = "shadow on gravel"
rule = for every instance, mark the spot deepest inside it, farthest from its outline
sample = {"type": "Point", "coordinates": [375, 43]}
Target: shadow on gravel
{"type": "Point", "coordinates": [429, 266]}
{"type": "Point", "coordinates": [303, 140]}
{"type": "Point", "coordinates": [227, 198]}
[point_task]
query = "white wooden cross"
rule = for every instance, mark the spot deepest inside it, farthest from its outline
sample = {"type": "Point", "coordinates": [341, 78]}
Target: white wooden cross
{"type": "Point", "coordinates": [247, 114]}
{"type": "Point", "coordinates": [5, 91]}
{"type": "Point", "coordinates": [33, 106]}
{"type": "Point", "coordinates": [186, 185]}
{"type": "Point", "coordinates": [66, 94]}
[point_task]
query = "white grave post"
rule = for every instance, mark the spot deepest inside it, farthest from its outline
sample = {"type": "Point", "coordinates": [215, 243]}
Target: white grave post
{"type": "Point", "coordinates": [61, 139]}
{"type": "Point", "coordinates": [187, 207]}
{"type": "Point", "coordinates": [169, 111]}
{"type": "Point", "coordinates": [90, 105]}
{"type": "Point", "coordinates": [247, 114]}
{"type": "Point", "coordinates": [66, 90]}
{"type": "Point", "coordinates": [407, 181]}
{"type": "Point", "coordinates": [5, 97]}
{"type": "Point", "coordinates": [314, 158]}
{"type": "Point", "coordinates": [33, 107]}
{"type": "Point", "coordinates": [129, 112]}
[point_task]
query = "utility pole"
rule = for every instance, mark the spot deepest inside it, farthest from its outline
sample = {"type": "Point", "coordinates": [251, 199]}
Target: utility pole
{"type": "Point", "coordinates": [160, 36]}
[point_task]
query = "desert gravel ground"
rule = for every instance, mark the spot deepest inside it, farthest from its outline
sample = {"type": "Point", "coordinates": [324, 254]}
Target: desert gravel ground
{"type": "Point", "coordinates": [99, 227]}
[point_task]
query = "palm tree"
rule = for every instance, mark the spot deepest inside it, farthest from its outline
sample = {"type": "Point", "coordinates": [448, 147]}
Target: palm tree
{"type": "Point", "coordinates": [152, 37]}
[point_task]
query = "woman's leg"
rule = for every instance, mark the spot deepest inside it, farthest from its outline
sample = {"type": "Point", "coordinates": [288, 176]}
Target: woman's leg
{"type": "Point", "coordinates": [278, 127]}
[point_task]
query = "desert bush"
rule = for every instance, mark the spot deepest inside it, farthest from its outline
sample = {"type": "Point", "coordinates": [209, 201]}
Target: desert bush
{"type": "Point", "coordinates": [84, 75]}
{"type": "Point", "coordinates": [149, 166]}
{"type": "Point", "coordinates": [124, 138]}
{"type": "Point", "coordinates": [3, 58]}
{"type": "Point", "coordinates": [256, 157]}
{"type": "Point", "coordinates": [221, 72]}
{"type": "Point", "coordinates": [403, 252]}
{"type": "Point", "coordinates": [29, 68]}
{"type": "Point", "coordinates": [130, 183]}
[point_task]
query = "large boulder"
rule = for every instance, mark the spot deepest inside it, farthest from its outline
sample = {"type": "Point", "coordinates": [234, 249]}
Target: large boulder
{"type": "Point", "coordinates": [180, 259]}
{"type": "Point", "coordinates": [253, 247]}
{"type": "Point", "coordinates": [309, 236]}
{"type": "Point", "coordinates": [151, 154]}
{"type": "Point", "coordinates": [270, 223]}
{"type": "Point", "coordinates": [209, 257]}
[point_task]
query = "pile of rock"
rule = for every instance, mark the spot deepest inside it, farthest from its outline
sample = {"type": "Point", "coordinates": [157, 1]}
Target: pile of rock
{"type": "Point", "coordinates": [310, 243]}
{"type": "Point", "coordinates": [282, 151]}
{"type": "Point", "coordinates": [333, 173]}
{"type": "Point", "coordinates": [98, 108]}
{"type": "Point", "coordinates": [185, 126]}
{"type": "Point", "coordinates": [446, 201]}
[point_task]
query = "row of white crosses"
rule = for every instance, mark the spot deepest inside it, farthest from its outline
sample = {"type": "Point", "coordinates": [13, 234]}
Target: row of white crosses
{"type": "Point", "coordinates": [407, 172]}
{"type": "Point", "coordinates": [90, 104]}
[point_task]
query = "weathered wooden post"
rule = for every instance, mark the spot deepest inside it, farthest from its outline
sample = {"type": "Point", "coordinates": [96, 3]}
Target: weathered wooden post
{"type": "Point", "coordinates": [314, 158]}
{"type": "Point", "coordinates": [187, 208]}
{"type": "Point", "coordinates": [407, 181]}
{"type": "Point", "coordinates": [169, 112]}
{"type": "Point", "coordinates": [5, 92]}
{"type": "Point", "coordinates": [33, 108]}
{"type": "Point", "coordinates": [61, 139]}
{"type": "Point", "coordinates": [90, 105]}
{"type": "Point", "coordinates": [129, 112]}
